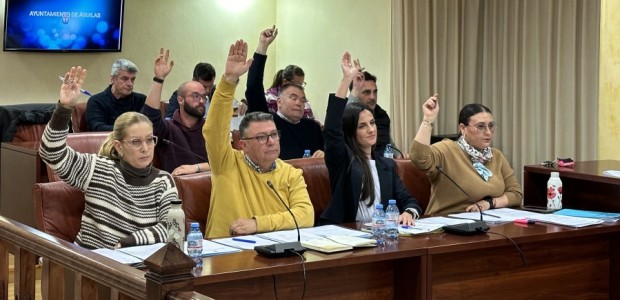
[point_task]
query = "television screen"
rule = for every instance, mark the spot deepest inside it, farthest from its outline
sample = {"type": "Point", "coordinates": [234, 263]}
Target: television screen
{"type": "Point", "coordinates": [63, 26]}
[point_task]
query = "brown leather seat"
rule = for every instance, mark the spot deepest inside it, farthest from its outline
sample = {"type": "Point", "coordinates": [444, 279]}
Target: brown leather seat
{"type": "Point", "coordinates": [58, 209]}
{"type": "Point", "coordinates": [416, 181]}
{"type": "Point", "coordinates": [195, 192]}
{"type": "Point", "coordinates": [78, 118]}
{"type": "Point", "coordinates": [317, 179]}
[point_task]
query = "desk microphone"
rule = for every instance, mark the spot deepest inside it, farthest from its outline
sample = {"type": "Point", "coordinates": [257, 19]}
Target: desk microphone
{"type": "Point", "coordinates": [202, 159]}
{"type": "Point", "coordinates": [282, 249]}
{"type": "Point", "coordinates": [401, 154]}
{"type": "Point", "coordinates": [465, 228]}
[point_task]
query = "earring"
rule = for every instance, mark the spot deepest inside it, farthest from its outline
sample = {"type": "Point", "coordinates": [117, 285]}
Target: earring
{"type": "Point", "coordinates": [120, 155]}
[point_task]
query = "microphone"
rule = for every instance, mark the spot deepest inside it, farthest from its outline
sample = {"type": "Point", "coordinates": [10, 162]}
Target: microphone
{"type": "Point", "coordinates": [401, 154]}
{"type": "Point", "coordinates": [202, 159]}
{"type": "Point", "coordinates": [465, 228]}
{"type": "Point", "coordinates": [282, 249]}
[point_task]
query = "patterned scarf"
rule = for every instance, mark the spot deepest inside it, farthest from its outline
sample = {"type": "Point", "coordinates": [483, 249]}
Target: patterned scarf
{"type": "Point", "coordinates": [478, 158]}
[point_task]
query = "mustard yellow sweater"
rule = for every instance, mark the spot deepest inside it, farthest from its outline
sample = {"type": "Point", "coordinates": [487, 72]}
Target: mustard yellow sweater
{"type": "Point", "coordinates": [239, 191]}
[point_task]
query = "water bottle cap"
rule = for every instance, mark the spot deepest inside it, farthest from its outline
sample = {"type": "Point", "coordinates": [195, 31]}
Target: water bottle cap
{"type": "Point", "coordinates": [392, 201]}
{"type": "Point", "coordinates": [306, 151]}
{"type": "Point", "coordinates": [194, 225]}
{"type": "Point", "coordinates": [379, 206]}
{"type": "Point", "coordinates": [555, 174]}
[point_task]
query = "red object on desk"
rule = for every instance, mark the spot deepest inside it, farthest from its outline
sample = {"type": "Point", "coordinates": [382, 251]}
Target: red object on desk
{"type": "Point", "coordinates": [525, 221]}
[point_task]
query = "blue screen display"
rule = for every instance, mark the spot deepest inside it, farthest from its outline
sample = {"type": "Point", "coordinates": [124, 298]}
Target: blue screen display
{"type": "Point", "coordinates": [65, 25]}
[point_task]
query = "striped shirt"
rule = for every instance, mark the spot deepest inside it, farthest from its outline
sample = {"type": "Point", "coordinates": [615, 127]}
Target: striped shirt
{"type": "Point", "coordinates": [115, 211]}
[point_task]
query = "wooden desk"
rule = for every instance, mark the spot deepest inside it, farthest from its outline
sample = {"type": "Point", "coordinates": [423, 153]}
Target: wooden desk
{"type": "Point", "coordinates": [20, 169]}
{"type": "Point", "coordinates": [392, 272]}
{"type": "Point", "coordinates": [562, 263]}
{"type": "Point", "coordinates": [584, 186]}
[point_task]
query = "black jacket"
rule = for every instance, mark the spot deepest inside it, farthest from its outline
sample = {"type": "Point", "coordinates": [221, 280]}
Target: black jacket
{"type": "Point", "coordinates": [345, 175]}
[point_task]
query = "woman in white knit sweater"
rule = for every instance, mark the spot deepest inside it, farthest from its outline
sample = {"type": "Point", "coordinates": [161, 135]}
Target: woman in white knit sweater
{"type": "Point", "coordinates": [127, 199]}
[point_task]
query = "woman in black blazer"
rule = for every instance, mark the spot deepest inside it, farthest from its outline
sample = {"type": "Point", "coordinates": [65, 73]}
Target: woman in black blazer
{"type": "Point", "coordinates": [358, 177]}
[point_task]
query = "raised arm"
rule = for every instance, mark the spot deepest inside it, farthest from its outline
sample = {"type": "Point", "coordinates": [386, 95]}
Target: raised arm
{"type": "Point", "coordinates": [255, 90]}
{"type": "Point", "coordinates": [161, 69]}
{"type": "Point", "coordinates": [430, 109]}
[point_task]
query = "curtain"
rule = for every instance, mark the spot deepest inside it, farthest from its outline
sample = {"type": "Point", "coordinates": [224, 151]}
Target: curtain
{"type": "Point", "coordinates": [533, 63]}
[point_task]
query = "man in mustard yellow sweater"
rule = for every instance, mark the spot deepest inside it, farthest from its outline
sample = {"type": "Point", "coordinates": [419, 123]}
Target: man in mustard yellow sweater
{"type": "Point", "coordinates": [241, 200]}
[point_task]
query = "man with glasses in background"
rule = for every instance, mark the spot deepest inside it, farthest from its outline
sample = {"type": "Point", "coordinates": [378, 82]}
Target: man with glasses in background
{"type": "Point", "coordinates": [298, 133]}
{"type": "Point", "coordinates": [102, 109]}
{"type": "Point", "coordinates": [247, 183]}
{"type": "Point", "coordinates": [182, 148]}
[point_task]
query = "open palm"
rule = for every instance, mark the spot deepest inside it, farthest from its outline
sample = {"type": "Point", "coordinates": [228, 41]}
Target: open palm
{"type": "Point", "coordinates": [236, 64]}
{"type": "Point", "coordinates": [71, 85]}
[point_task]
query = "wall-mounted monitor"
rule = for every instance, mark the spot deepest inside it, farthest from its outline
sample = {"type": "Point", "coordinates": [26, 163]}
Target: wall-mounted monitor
{"type": "Point", "coordinates": [63, 25]}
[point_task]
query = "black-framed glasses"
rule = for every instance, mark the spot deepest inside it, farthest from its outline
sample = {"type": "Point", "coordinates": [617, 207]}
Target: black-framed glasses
{"type": "Point", "coordinates": [262, 138]}
{"type": "Point", "coordinates": [481, 127]}
{"type": "Point", "coordinates": [137, 143]}
{"type": "Point", "coordinates": [198, 96]}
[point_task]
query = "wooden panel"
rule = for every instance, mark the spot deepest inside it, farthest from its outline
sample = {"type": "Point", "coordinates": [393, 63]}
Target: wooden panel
{"type": "Point", "coordinates": [4, 270]}
{"type": "Point", "coordinates": [25, 276]}
{"type": "Point", "coordinates": [568, 268]}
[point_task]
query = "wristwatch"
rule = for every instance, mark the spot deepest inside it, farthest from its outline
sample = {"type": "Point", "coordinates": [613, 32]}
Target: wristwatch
{"type": "Point", "coordinates": [490, 200]}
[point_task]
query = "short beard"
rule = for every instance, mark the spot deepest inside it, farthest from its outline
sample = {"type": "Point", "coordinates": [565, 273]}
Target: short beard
{"type": "Point", "coordinates": [192, 111]}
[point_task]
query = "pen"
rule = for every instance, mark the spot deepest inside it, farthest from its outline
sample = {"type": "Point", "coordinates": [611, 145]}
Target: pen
{"type": "Point", "coordinates": [85, 92]}
{"type": "Point", "coordinates": [244, 240]}
{"type": "Point", "coordinates": [525, 221]}
{"type": "Point", "coordinates": [490, 215]}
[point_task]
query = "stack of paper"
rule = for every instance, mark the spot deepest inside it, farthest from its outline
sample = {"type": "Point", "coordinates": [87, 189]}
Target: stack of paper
{"type": "Point", "coordinates": [607, 216]}
{"type": "Point", "coordinates": [337, 243]}
{"type": "Point", "coordinates": [612, 173]}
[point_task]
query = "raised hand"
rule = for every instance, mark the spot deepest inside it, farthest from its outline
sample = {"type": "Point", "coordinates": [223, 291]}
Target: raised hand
{"type": "Point", "coordinates": [349, 69]}
{"type": "Point", "coordinates": [265, 39]}
{"type": "Point", "coordinates": [71, 85]}
{"type": "Point", "coordinates": [162, 67]}
{"type": "Point", "coordinates": [236, 63]}
{"type": "Point", "coordinates": [431, 108]}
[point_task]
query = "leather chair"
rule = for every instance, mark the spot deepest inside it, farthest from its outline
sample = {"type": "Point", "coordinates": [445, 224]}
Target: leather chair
{"type": "Point", "coordinates": [78, 118]}
{"type": "Point", "coordinates": [58, 209]}
{"type": "Point", "coordinates": [416, 181]}
{"type": "Point", "coordinates": [317, 179]}
{"type": "Point", "coordinates": [195, 192]}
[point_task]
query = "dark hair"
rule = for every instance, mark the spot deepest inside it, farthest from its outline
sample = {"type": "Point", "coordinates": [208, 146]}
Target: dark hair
{"type": "Point", "coordinates": [350, 118]}
{"type": "Point", "coordinates": [367, 77]}
{"type": "Point", "coordinates": [287, 73]}
{"type": "Point", "coordinates": [469, 110]}
{"type": "Point", "coordinates": [204, 71]}
{"type": "Point", "coordinates": [249, 118]}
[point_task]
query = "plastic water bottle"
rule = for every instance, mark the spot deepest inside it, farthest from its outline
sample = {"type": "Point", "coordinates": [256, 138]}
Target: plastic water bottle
{"type": "Point", "coordinates": [194, 245]}
{"type": "Point", "coordinates": [176, 224]}
{"type": "Point", "coordinates": [391, 215]}
{"type": "Point", "coordinates": [554, 191]}
{"type": "Point", "coordinates": [378, 224]}
{"type": "Point", "coordinates": [388, 153]}
{"type": "Point", "coordinates": [307, 154]}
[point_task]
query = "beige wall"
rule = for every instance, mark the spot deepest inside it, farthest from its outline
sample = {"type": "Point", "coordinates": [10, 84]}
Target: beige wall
{"type": "Point", "coordinates": [609, 104]}
{"type": "Point", "coordinates": [313, 35]}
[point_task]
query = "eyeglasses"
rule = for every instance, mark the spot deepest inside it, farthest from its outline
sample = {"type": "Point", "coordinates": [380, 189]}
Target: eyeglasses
{"type": "Point", "coordinates": [198, 96]}
{"type": "Point", "coordinates": [303, 84]}
{"type": "Point", "coordinates": [481, 127]}
{"type": "Point", "coordinates": [262, 138]}
{"type": "Point", "coordinates": [137, 143]}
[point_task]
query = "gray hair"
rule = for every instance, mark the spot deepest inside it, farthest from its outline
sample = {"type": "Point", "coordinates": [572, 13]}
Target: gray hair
{"type": "Point", "coordinates": [256, 116]}
{"type": "Point", "coordinates": [125, 65]}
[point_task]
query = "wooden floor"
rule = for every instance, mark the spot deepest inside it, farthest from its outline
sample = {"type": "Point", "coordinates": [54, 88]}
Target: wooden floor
{"type": "Point", "coordinates": [12, 278]}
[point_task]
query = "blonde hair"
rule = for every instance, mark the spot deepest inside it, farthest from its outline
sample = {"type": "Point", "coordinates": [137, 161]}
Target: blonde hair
{"type": "Point", "coordinates": [118, 133]}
